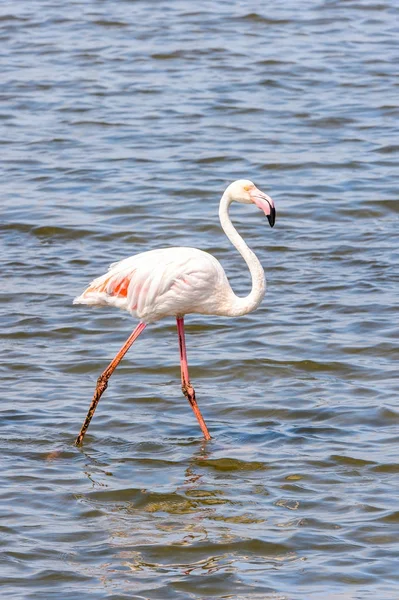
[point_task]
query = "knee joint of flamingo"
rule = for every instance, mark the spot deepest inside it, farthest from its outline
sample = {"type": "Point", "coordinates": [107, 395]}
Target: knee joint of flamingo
{"type": "Point", "coordinates": [188, 391]}
{"type": "Point", "coordinates": [102, 382]}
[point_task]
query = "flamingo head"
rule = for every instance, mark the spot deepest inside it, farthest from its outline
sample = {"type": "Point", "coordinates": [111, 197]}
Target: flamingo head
{"type": "Point", "coordinates": [246, 192]}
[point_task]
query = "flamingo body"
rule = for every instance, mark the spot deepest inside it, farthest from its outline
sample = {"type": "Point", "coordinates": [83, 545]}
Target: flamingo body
{"type": "Point", "coordinates": [163, 283]}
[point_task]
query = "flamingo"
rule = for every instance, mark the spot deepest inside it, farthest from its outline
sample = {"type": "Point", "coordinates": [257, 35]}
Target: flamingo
{"type": "Point", "coordinates": [173, 282]}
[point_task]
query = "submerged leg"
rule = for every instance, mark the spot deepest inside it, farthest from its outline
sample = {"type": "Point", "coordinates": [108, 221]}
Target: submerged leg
{"type": "Point", "coordinates": [187, 388]}
{"type": "Point", "coordinates": [102, 381]}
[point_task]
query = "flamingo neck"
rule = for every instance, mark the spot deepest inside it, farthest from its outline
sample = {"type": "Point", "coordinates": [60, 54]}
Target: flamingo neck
{"type": "Point", "coordinates": [241, 306]}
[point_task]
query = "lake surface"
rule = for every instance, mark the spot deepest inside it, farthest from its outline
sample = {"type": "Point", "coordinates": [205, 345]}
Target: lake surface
{"type": "Point", "coordinates": [121, 125]}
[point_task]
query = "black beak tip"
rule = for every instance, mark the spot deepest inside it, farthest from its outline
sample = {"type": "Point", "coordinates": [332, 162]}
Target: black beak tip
{"type": "Point", "coordinates": [272, 217]}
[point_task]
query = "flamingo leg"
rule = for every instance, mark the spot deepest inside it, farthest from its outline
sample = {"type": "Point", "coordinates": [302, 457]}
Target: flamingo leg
{"type": "Point", "coordinates": [102, 381]}
{"type": "Point", "coordinates": [187, 388]}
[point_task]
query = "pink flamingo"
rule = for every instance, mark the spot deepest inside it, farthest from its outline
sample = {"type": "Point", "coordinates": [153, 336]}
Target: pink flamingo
{"type": "Point", "coordinates": [177, 281]}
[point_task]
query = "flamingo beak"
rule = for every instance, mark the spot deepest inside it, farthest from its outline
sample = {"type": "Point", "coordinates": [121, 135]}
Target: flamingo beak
{"type": "Point", "coordinates": [265, 203]}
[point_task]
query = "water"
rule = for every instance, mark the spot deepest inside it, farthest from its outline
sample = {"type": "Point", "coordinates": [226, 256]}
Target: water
{"type": "Point", "coordinates": [121, 125]}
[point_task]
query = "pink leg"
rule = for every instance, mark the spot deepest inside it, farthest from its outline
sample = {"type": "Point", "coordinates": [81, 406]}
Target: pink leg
{"type": "Point", "coordinates": [102, 381]}
{"type": "Point", "coordinates": [187, 388]}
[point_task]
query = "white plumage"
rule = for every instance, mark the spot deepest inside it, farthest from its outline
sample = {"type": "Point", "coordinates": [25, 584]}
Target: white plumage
{"type": "Point", "coordinates": [162, 283]}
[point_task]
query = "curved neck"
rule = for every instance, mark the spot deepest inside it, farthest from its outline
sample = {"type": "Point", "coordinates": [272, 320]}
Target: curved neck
{"type": "Point", "coordinates": [242, 306]}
